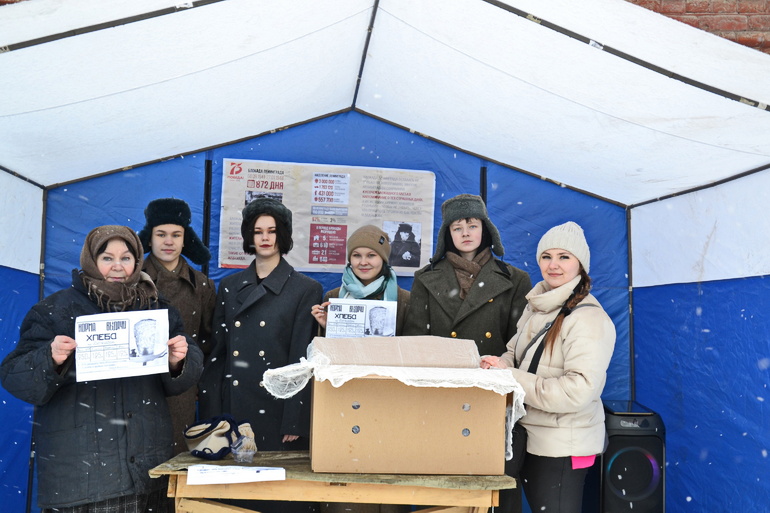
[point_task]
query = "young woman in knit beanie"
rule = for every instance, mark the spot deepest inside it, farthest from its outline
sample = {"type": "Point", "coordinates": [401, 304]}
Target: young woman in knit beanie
{"type": "Point", "coordinates": [560, 356]}
{"type": "Point", "coordinates": [170, 239]}
{"type": "Point", "coordinates": [261, 322]}
{"type": "Point", "coordinates": [97, 440]}
{"type": "Point", "coordinates": [367, 276]}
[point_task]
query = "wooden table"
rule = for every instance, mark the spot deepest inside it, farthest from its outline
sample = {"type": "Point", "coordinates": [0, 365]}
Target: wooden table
{"type": "Point", "coordinates": [448, 494]}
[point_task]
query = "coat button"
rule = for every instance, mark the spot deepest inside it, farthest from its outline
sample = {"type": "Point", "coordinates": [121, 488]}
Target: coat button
{"type": "Point", "coordinates": [488, 335]}
{"type": "Point", "coordinates": [237, 324]}
{"type": "Point", "coordinates": [235, 382]}
{"type": "Point", "coordinates": [261, 324]}
{"type": "Point", "coordinates": [236, 353]}
{"type": "Point", "coordinates": [454, 334]}
{"type": "Point", "coordinates": [491, 300]}
{"type": "Point", "coordinates": [261, 353]}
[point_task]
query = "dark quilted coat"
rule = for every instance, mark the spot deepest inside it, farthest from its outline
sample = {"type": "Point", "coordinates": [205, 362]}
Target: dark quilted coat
{"type": "Point", "coordinates": [94, 440]}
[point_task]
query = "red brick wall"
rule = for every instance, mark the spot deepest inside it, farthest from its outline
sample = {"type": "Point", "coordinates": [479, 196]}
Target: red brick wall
{"type": "Point", "coordinates": [744, 21]}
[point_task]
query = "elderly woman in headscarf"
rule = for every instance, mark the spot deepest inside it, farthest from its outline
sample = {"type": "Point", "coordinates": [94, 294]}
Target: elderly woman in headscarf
{"type": "Point", "coordinates": [96, 440]}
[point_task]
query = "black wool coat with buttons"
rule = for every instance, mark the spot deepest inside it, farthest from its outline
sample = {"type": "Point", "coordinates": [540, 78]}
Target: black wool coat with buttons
{"type": "Point", "coordinates": [488, 315]}
{"type": "Point", "coordinates": [259, 327]}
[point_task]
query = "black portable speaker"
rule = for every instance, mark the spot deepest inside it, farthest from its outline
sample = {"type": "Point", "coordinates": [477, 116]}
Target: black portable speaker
{"type": "Point", "coordinates": [633, 471]}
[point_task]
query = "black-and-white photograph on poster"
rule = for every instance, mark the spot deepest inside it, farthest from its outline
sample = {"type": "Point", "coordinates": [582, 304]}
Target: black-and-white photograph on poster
{"type": "Point", "coordinates": [405, 248]}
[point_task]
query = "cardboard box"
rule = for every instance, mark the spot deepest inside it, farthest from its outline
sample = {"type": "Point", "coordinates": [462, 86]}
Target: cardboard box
{"type": "Point", "coordinates": [377, 424]}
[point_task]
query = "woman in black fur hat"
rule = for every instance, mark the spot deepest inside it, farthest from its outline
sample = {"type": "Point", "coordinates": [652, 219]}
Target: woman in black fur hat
{"type": "Point", "coordinates": [170, 239]}
{"type": "Point", "coordinates": [261, 322]}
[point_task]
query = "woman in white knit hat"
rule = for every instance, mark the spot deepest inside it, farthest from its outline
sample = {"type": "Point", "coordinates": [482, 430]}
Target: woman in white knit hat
{"type": "Point", "coordinates": [560, 355]}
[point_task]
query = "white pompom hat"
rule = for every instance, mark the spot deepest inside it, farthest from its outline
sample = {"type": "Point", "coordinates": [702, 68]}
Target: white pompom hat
{"type": "Point", "coordinates": [568, 236]}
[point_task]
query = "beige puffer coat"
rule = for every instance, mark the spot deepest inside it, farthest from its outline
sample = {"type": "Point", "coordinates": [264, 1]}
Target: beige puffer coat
{"type": "Point", "coordinates": [565, 416]}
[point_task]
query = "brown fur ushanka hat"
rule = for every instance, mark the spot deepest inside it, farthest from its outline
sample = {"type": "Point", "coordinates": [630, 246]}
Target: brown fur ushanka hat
{"type": "Point", "coordinates": [465, 206]}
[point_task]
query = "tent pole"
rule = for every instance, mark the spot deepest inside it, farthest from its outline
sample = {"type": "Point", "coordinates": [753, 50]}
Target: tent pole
{"type": "Point", "coordinates": [207, 209]}
{"type": "Point", "coordinates": [483, 183]}
{"type": "Point", "coordinates": [632, 367]}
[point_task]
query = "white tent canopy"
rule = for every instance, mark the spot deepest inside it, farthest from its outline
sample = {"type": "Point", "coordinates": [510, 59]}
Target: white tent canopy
{"type": "Point", "coordinates": [576, 92]}
{"type": "Point", "coordinates": [652, 133]}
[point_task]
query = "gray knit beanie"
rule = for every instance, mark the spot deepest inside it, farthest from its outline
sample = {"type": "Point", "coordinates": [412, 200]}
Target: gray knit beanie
{"type": "Point", "coordinates": [465, 206]}
{"type": "Point", "coordinates": [568, 236]}
{"type": "Point", "coordinates": [369, 236]}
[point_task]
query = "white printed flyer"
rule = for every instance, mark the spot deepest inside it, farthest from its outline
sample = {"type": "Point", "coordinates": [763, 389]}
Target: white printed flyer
{"type": "Point", "coordinates": [121, 344]}
{"type": "Point", "coordinates": [348, 318]}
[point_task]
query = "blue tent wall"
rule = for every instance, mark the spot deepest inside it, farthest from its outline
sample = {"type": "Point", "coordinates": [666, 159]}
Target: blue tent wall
{"type": "Point", "coordinates": [73, 210]}
{"type": "Point", "coordinates": [522, 207]}
{"type": "Point", "coordinates": [702, 354]}
{"type": "Point", "coordinates": [18, 294]}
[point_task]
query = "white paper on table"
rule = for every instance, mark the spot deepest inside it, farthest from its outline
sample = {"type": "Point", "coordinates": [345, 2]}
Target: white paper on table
{"type": "Point", "coordinates": [353, 318]}
{"type": "Point", "coordinates": [121, 344]}
{"type": "Point", "coordinates": [217, 474]}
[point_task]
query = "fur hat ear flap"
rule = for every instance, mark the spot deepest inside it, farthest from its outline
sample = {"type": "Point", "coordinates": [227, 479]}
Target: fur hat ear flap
{"type": "Point", "coordinates": [174, 211]}
{"type": "Point", "coordinates": [194, 248]}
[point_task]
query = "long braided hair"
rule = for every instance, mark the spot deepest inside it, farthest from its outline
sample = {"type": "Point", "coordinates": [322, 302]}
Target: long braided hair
{"type": "Point", "coordinates": [581, 291]}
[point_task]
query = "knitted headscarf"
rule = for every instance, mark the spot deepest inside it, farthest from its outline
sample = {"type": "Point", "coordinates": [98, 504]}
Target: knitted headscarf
{"type": "Point", "coordinates": [113, 296]}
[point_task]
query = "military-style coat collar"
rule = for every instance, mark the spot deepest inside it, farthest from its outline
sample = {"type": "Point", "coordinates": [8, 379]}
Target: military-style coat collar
{"type": "Point", "coordinates": [249, 292]}
{"type": "Point", "coordinates": [441, 282]}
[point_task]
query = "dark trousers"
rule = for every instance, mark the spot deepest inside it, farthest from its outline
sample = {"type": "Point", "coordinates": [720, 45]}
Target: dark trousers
{"type": "Point", "coordinates": [510, 499]}
{"type": "Point", "coordinates": [550, 484]}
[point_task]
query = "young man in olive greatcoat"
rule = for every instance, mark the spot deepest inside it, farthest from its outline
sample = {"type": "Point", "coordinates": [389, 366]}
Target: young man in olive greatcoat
{"type": "Point", "coordinates": [169, 238]}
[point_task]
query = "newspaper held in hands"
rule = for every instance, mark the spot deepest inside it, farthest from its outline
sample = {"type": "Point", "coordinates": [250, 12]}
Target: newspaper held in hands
{"type": "Point", "coordinates": [346, 318]}
{"type": "Point", "coordinates": [121, 344]}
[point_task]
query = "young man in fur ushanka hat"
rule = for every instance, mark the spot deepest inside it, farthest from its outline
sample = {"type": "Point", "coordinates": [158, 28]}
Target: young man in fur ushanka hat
{"type": "Point", "coordinates": [466, 292]}
{"type": "Point", "coordinates": [170, 240]}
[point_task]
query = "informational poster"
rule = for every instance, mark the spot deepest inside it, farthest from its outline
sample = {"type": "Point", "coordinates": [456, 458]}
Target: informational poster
{"type": "Point", "coordinates": [349, 318]}
{"type": "Point", "coordinates": [121, 344]}
{"type": "Point", "coordinates": [328, 203]}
